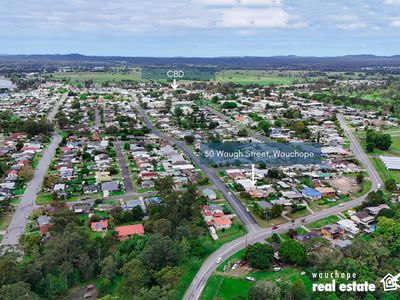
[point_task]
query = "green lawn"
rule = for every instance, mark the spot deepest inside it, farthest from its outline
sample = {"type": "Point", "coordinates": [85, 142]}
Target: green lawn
{"type": "Point", "coordinates": [299, 214]}
{"type": "Point", "coordinates": [43, 199]}
{"type": "Point", "coordinates": [323, 222]}
{"type": "Point", "coordinates": [5, 220]}
{"type": "Point", "coordinates": [259, 77]}
{"type": "Point", "coordinates": [318, 205]}
{"type": "Point", "coordinates": [221, 287]}
{"type": "Point", "coordinates": [365, 188]}
{"type": "Point", "coordinates": [98, 77]}
{"type": "Point", "coordinates": [232, 288]}
{"type": "Point", "coordinates": [269, 223]}
{"type": "Point", "coordinates": [384, 173]}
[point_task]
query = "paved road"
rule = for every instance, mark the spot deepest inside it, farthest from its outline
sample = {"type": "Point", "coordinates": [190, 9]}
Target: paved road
{"type": "Point", "coordinates": [26, 206]}
{"type": "Point", "coordinates": [360, 154]}
{"type": "Point", "coordinates": [196, 287]}
{"type": "Point", "coordinates": [124, 168]}
{"type": "Point", "coordinates": [246, 218]}
{"type": "Point", "coordinates": [96, 119]}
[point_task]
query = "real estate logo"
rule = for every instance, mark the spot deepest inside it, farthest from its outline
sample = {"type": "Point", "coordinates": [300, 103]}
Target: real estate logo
{"type": "Point", "coordinates": [389, 282]}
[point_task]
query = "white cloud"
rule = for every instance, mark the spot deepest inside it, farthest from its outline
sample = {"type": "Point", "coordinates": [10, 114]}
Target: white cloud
{"type": "Point", "coordinates": [238, 2]}
{"type": "Point", "coordinates": [395, 23]}
{"type": "Point", "coordinates": [355, 25]}
{"type": "Point", "coordinates": [241, 17]}
{"type": "Point", "coordinates": [347, 21]}
{"type": "Point", "coordinates": [392, 2]}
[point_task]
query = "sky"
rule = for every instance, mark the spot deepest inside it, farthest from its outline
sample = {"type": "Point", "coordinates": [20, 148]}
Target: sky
{"type": "Point", "coordinates": [203, 28]}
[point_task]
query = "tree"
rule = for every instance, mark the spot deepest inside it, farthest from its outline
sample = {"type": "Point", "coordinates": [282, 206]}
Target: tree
{"type": "Point", "coordinates": [26, 173]}
{"type": "Point", "coordinates": [9, 270]}
{"type": "Point", "coordinates": [390, 184]}
{"type": "Point", "coordinates": [264, 290]}
{"type": "Point", "coordinates": [293, 252]}
{"type": "Point", "coordinates": [259, 255]}
{"type": "Point", "coordinates": [104, 286]}
{"type": "Point", "coordinates": [168, 276]}
{"type": "Point", "coordinates": [229, 105]}
{"type": "Point", "coordinates": [155, 293]}
{"type": "Point", "coordinates": [189, 139]}
{"type": "Point", "coordinates": [275, 238]}
{"type": "Point", "coordinates": [321, 254]}
{"type": "Point", "coordinates": [265, 126]}
{"type": "Point", "coordinates": [109, 268]}
{"type": "Point", "coordinates": [297, 289]}
{"type": "Point", "coordinates": [162, 227]}
{"type": "Point", "coordinates": [159, 252]}
{"type": "Point", "coordinates": [17, 291]}
{"type": "Point", "coordinates": [389, 231]}
{"type": "Point", "coordinates": [370, 147]}
{"type": "Point", "coordinates": [360, 177]}
{"type": "Point", "coordinates": [135, 277]}
{"type": "Point", "coordinates": [55, 286]}
{"type": "Point", "coordinates": [275, 211]}
{"type": "Point", "coordinates": [242, 132]}
{"type": "Point", "coordinates": [164, 185]}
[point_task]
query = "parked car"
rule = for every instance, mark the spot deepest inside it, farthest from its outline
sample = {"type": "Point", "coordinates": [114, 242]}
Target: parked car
{"type": "Point", "coordinates": [234, 266]}
{"type": "Point", "coordinates": [250, 278]}
{"type": "Point", "coordinates": [219, 259]}
{"type": "Point", "coordinates": [276, 269]}
{"type": "Point", "coordinates": [274, 227]}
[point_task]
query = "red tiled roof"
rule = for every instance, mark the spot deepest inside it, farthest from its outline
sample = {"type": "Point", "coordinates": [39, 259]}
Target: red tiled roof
{"type": "Point", "coordinates": [103, 224]}
{"type": "Point", "coordinates": [130, 230]}
{"type": "Point", "coordinates": [222, 221]}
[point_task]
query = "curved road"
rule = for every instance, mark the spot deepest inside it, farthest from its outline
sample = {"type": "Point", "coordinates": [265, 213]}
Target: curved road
{"type": "Point", "coordinates": [228, 249]}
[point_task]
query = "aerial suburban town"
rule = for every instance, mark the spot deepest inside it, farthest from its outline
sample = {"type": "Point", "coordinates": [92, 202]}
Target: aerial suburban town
{"type": "Point", "coordinates": [199, 177]}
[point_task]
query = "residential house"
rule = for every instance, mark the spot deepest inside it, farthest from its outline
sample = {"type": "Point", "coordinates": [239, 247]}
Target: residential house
{"type": "Point", "coordinates": [332, 231]}
{"type": "Point", "coordinates": [310, 193]}
{"type": "Point", "coordinates": [111, 186]}
{"type": "Point", "coordinates": [99, 226]}
{"type": "Point", "coordinates": [133, 203]}
{"type": "Point", "coordinates": [374, 210]}
{"type": "Point", "coordinates": [210, 194]}
{"type": "Point", "coordinates": [222, 223]}
{"type": "Point", "coordinates": [326, 191]}
{"type": "Point", "coordinates": [363, 218]}
{"type": "Point", "coordinates": [125, 232]}
{"type": "Point", "coordinates": [44, 224]}
{"type": "Point", "coordinates": [303, 238]}
{"type": "Point", "coordinates": [349, 226]}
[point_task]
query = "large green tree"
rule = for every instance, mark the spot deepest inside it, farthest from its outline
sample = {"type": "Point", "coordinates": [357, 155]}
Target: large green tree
{"type": "Point", "coordinates": [293, 252]}
{"type": "Point", "coordinates": [259, 255]}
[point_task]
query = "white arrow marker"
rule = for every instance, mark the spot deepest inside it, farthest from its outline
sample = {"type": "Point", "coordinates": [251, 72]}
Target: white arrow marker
{"type": "Point", "coordinates": [253, 181]}
{"type": "Point", "coordinates": [174, 85]}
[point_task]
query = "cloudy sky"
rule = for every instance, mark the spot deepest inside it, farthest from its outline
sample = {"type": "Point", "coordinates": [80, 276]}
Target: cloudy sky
{"type": "Point", "coordinates": [200, 27]}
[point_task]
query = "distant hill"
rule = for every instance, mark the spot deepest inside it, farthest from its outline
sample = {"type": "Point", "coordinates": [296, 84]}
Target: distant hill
{"type": "Point", "coordinates": [339, 63]}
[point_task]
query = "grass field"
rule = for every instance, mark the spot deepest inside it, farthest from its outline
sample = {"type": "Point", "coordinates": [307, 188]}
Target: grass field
{"type": "Point", "coordinates": [222, 287]}
{"type": "Point", "coordinates": [394, 150]}
{"type": "Point", "coordinates": [323, 222]}
{"type": "Point", "coordinates": [5, 220]}
{"type": "Point", "coordinates": [98, 77]}
{"type": "Point", "coordinates": [259, 77]}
